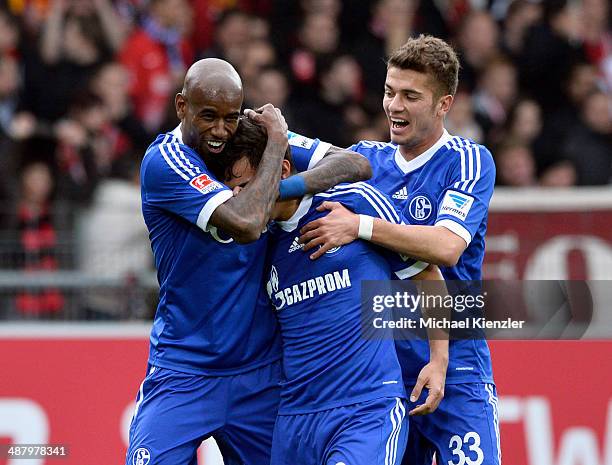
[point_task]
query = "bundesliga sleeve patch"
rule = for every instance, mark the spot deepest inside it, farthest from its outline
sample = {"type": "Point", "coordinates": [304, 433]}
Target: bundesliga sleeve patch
{"type": "Point", "coordinates": [301, 141]}
{"type": "Point", "coordinates": [456, 204]}
{"type": "Point", "coordinates": [204, 184]}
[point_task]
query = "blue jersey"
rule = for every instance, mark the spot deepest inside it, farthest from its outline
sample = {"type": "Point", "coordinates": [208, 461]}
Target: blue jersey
{"type": "Point", "coordinates": [450, 185]}
{"type": "Point", "coordinates": [207, 321]}
{"type": "Point", "coordinates": [327, 361]}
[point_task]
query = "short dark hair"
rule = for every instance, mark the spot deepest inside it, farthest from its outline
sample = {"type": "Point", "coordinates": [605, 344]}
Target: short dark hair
{"type": "Point", "coordinates": [430, 55]}
{"type": "Point", "coordinates": [249, 141]}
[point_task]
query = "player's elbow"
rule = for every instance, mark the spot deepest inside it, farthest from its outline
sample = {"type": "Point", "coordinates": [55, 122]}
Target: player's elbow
{"type": "Point", "coordinates": [449, 256]}
{"type": "Point", "coordinates": [247, 235]}
{"type": "Point", "coordinates": [247, 231]}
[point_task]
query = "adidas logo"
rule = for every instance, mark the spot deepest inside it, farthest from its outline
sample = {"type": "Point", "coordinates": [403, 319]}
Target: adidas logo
{"type": "Point", "coordinates": [295, 245]}
{"type": "Point", "coordinates": [401, 194]}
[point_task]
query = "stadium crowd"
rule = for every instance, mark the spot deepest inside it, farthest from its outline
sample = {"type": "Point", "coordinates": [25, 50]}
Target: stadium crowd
{"type": "Point", "coordinates": [85, 85]}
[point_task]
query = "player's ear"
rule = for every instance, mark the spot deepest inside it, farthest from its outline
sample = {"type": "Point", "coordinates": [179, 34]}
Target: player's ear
{"type": "Point", "coordinates": [444, 105]}
{"type": "Point", "coordinates": [286, 169]}
{"type": "Point", "coordinates": [181, 105]}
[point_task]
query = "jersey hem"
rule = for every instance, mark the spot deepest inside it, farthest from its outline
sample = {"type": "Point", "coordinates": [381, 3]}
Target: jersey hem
{"type": "Point", "coordinates": [213, 372]}
{"type": "Point", "coordinates": [458, 380]}
{"type": "Point", "coordinates": [341, 403]}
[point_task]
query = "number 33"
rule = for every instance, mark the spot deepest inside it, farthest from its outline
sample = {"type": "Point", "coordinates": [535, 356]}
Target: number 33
{"type": "Point", "coordinates": [456, 446]}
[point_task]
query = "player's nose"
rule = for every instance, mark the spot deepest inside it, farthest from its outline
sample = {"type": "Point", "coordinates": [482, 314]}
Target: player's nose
{"type": "Point", "coordinates": [396, 104]}
{"type": "Point", "coordinates": [219, 131]}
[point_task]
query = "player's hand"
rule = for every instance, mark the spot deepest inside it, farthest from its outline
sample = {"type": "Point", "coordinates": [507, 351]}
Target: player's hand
{"type": "Point", "coordinates": [432, 377]}
{"type": "Point", "coordinates": [339, 227]}
{"type": "Point", "coordinates": [273, 120]}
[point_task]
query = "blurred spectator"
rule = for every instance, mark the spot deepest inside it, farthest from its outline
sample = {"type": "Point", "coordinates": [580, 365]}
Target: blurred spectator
{"type": "Point", "coordinates": [157, 56]}
{"type": "Point", "coordinates": [478, 44]}
{"type": "Point", "coordinates": [389, 28]}
{"type": "Point", "coordinates": [334, 111]}
{"type": "Point", "coordinates": [495, 95]}
{"type": "Point", "coordinates": [521, 15]}
{"type": "Point", "coordinates": [370, 132]}
{"type": "Point", "coordinates": [328, 7]}
{"type": "Point", "coordinates": [272, 86]}
{"type": "Point", "coordinates": [78, 36]}
{"type": "Point", "coordinates": [551, 48]}
{"type": "Point", "coordinates": [125, 132]}
{"type": "Point", "coordinates": [31, 13]}
{"type": "Point", "coordinates": [598, 35]}
{"type": "Point", "coordinates": [259, 28]}
{"type": "Point", "coordinates": [560, 174]}
{"type": "Point", "coordinates": [9, 87]}
{"type": "Point", "coordinates": [558, 123]}
{"type": "Point", "coordinates": [113, 242]}
{"type": "Point", "coordinates": [381, 124]}
{"type": "Point", "coordinates": [525, 122]}
{"type": "Point", "coordinates": [9, 34]}
{"type": "Point", "coordinates": [589, 143]}
{"type": "Point", "coordinates": [460, 119]}
{"type": "Point", "coordinates": [318, 36]}
{"type": "Point", "coordinates": [259, 55]}
{"type": "Point", "coordinates": [37, 239]}
{"type": "Point", "coordinates": [207, 13]}
{"type": "Point", "coordinates": [83, 152]}
{"type": "Point", "coordinates": [515, 164]}
{"type": "Point", "coordinates": [231, 37]}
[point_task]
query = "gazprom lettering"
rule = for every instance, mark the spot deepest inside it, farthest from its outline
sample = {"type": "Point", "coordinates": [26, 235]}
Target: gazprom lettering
{"type": "Point", "coordinates": [312, 287]}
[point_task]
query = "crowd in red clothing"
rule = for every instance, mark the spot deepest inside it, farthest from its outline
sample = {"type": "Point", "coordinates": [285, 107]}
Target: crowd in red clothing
{"type": "Point", "coordinates": [86, 84]}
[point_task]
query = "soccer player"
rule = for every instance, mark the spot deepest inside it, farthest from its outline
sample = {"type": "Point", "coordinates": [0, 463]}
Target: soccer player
{"type": "Point", "coordinates": [342, 396]}
{"type": "Point", "coordinates": [214, 356]}
{"type": "Point", "coordinates": [443, 184]}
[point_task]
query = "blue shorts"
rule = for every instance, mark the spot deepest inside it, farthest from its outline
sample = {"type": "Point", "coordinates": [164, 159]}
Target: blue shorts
{"type": "Point", "coordinates": [464, 430]}
{"type": "Point", "coordinates": [367, 433]}
{"type": "Point", "coordinates": [176, 411]}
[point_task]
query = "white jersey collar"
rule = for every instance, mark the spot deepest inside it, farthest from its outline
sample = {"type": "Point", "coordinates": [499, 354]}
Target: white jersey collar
{"type": "Point", "coordinates": [176, 132]}
{"type": "Point", "coordinates": [408, 166]}
{"type": "Point", "coordinates": [302, 209]}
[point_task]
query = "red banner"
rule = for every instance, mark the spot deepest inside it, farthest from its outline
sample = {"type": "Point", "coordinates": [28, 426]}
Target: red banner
{"type": "Point", "coordinates": [555, 398]}
{"type": "Point", "coordinates": [541, 245]}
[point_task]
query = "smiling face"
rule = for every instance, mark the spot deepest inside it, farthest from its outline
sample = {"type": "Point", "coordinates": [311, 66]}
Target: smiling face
{"type": "Point", "coordinates": [209, 118]}
{"type": "Point", "coordinates": [414, 112]}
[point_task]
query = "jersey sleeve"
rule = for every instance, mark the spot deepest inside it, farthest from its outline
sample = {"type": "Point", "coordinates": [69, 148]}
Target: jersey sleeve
{"type": "Point", "coordinates": [175, 179]}
{"type": "Point", "coordinates": [465, 200]}
{"type": "Point", "coordinates": [364, 199]}
{"type": "Point", "coordinates": [306, 152]}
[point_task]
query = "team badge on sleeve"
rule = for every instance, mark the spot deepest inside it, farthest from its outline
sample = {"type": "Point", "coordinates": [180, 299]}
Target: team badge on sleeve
{"type": "Point", "coordinates": [300, 141]}
{"type": "Point", "coordinates": [204, 184]}
{"type": "Point", "coordinates": [456, 204]}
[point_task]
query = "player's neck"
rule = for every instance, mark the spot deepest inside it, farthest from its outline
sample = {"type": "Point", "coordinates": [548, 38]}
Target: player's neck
{"type": "Point", "coordinates": [410, 152]}
{"type": "Point", "coordinates": [284, 209]}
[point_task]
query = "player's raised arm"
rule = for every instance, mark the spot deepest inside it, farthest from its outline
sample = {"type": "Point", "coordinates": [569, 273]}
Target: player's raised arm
{"type": "Point", "coordinates": [337, 166]}
{"type": "Point", "coordinates": [321, 166]}
{"type": "Point", "coordinates": [244, 217]}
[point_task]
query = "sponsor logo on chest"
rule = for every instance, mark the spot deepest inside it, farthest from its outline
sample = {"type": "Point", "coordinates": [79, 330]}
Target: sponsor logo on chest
{"type": "Point", "coordinates": [313, 287]}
